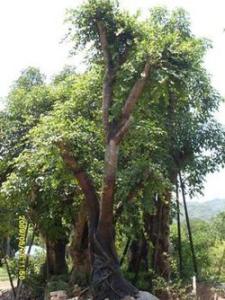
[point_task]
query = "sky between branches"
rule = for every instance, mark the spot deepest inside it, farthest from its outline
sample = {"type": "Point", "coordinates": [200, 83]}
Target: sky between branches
{"type": "Point", "coordinates": [31, 31]}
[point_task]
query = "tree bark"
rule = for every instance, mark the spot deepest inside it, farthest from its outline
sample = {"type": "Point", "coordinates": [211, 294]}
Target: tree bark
{"type": "Point", "coordinates": [138, 257]}
{"type": "Point", "coordinates": [79, 249]}
{"type": "Point", "coordinates": [157, 228]}
{"type": "Point", "coordinates": [56, 261]}
{"type": "Point", "coordinates": [88, 189]}
{"type": "Point", "coordinates": [107, 279]}
{"type": "Point", "coordinates": [55, 246]}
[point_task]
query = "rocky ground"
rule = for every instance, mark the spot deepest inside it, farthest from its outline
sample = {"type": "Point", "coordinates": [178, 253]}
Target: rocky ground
{"type": "Point", "coordinates": [205, 292]}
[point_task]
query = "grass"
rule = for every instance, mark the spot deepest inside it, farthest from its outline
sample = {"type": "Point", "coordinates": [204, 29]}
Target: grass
{"type": "Point", "coordinates": [3, 274]}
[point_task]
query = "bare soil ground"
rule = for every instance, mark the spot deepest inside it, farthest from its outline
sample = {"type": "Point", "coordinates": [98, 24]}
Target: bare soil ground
{"type": "Point", "coordinates": [5, 289]}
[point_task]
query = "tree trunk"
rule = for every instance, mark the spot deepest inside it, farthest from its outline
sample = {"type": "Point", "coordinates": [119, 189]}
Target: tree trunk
{"type": "Point", "coordinates": [179, 243]}
{"type": "Point", "coordinates": [79, 251]}
{"type": "Point", "coordinates": [56, 261]}
{"type": "Point", "coordinates": [107, 279]}
{"type": "Point", "coordinates": [138, 257]}
{"type": "Point", "coordinates": [8, 247]}
{"type": "Point", "coordinates": [157, 228]}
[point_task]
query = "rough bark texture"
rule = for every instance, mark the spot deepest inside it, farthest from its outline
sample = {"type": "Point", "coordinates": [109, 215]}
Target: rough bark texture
{"type": "Point", "coordinates": [138, 257]}
{"type": "Point", "coordinates": [157, 228]}
{"type": "Point", "coordinates": [79, 251]}
{"type": "Point", "coordinates": [106, 278]}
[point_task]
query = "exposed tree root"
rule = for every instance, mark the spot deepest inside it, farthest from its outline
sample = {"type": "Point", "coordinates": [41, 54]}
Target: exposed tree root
{"type": "Point", "coordinates": [108, 282]}
{"type": "Point", "coordinates": [107, 279]}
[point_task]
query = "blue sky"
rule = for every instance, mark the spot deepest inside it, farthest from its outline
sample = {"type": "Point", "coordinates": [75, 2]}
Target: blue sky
{"type": "Point", "coordinates": [31, 31]}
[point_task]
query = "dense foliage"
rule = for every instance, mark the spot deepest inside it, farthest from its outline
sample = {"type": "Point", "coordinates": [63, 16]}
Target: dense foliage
{"type": "Point", "coordinates": [94, 158]}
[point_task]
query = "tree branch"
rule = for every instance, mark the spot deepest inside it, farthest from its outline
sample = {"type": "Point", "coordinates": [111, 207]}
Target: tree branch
{"type": "Point", "coordinates": [109, 76]}
{"type": "Point", "coordinates": [136, 92]}
{"type": "Point", "coordinates": [123, 129]}
{"type": "Point", "coordinates": [130, 103]}
{"type": "Point", "coordinates": [104, 45]}
{"type": "Point", "coordinates": [84, 182]}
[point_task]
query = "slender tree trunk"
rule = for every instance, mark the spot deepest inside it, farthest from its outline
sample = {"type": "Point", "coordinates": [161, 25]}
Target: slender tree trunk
{"type": "Point", "coordinates": [179, 245]}
{"type": "Point", "coordinates": [8, 247]}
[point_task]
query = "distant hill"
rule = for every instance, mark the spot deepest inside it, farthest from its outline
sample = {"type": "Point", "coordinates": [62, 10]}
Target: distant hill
{"type": "Point", "coordinates": [205, 210]}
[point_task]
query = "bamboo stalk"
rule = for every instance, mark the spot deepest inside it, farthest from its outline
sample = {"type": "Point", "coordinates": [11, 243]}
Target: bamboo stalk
{"type": "Point", "coordinates": [188, 226]}
{"type": "Point", "coordinates": [179, 231]}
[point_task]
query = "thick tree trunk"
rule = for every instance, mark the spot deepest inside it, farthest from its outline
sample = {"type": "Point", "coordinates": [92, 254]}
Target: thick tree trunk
{"type": "Point", "coordinates": [107, 279]}
{"type": "Point", "coordinates": [79, 251]}
{"type": "Point", "coordinates": [56, 261]}
{"type": "Point", "coordinates": [55, 246]}
{"type": "Point", "coordinates": [157, 228]}
{"type": "Point", "coordinates": [138, 257]}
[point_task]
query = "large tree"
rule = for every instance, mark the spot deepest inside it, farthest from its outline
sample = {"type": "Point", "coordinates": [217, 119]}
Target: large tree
{"type": "Point", "coordinates": [131, 52]}
{"type": "Point", "coordinates": [140, 113]}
